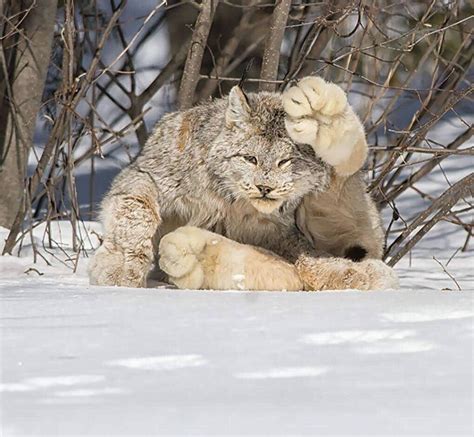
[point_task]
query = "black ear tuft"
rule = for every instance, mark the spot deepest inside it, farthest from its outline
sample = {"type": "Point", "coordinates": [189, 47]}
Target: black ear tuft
{"type": "Point", "coordinates": [245, 74]}
{"type": "Point", "coordinates": [243, 78]}
{"type": "Point", "coordinates": [355, 253]}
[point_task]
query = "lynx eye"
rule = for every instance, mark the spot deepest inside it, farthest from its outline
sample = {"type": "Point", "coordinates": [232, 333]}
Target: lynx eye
{"type": "Point", "coordinates": [250, 158]}
{"type": "Point", "coordinates": [283, 162]}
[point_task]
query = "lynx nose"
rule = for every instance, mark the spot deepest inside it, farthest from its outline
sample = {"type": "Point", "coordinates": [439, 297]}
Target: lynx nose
{"type": "Point", "coordinates": [264, 190]}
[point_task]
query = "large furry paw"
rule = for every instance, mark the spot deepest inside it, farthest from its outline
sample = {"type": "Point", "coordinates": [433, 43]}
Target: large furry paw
{"type": "Point", "coordinates": [180, 253]}
{"type": "Point", "coordinates": [343, 274]}
{"type": "Point", "coordinates": [106, 266]}
{"type": "Point", "coordinates": [312, 106]}
{"type": "Point", "coordinates": [110, 266]}
{"type": "Point", "coordinates": [318, 114]}
{"type": "Point", "coordinates": [313, 96]}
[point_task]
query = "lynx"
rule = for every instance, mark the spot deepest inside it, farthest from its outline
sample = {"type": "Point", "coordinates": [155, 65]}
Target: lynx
{"type": "Point", "coordinates": [260, 192]}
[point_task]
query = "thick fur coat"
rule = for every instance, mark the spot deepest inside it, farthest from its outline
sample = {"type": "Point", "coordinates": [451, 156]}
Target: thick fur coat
{"type": "Point", "coordinates": [259, 192]}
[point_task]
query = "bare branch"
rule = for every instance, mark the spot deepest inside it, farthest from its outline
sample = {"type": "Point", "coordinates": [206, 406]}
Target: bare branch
{"type": "Point", "coordinates": [442, 205]}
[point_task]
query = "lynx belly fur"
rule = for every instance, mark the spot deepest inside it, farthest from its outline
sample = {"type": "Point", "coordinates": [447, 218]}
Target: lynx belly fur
{"type": "Point", "coordinates": [260, 192]}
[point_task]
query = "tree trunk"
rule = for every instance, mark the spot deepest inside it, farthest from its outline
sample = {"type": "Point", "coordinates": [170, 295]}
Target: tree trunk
{"type": "Point", "coordinates": [271, 56]}
{"type": "Point", "coordinates": [192, 67]}
{"type": "Point", "coordinates": [24, 60]}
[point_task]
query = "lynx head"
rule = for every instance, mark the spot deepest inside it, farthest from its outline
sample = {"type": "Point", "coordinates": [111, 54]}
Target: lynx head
{"type": "Point", "coordinates": [255, 159]}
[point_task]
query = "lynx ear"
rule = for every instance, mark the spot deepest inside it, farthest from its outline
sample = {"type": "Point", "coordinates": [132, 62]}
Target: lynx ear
{"type": "Point", "coordinates": [238, 109]}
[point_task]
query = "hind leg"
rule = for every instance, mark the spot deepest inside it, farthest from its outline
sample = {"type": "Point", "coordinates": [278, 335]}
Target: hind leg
{"type": "Point", "coordinates": [343, 220]}
{"type": "Point", "coordinates": [131, 218]}
{"type": "Point", "coordinates": [198, 259]}
{"type": "Point", "coordinates": [343, 274]}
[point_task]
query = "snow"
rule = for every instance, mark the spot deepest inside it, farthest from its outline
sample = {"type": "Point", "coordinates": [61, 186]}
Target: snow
{"type": "Point", "coordinates": [92, 361]}
{"type": "Point", "coordinates": [166, 362]}
{"type": "Point", "coordinates": [83, 360]}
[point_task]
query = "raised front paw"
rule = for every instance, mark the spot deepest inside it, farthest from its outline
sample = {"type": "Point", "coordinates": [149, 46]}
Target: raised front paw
{"type": "Point", "coordinates": [314, 108]}
{"type": "Point", "coordinates": [342, 274]}
{"type": "Point", "coordinates": [179, 253]}
{"type": "Point", "coordinates": [313, 96]}
{"type": "Point", "coordinates": [318, 114]}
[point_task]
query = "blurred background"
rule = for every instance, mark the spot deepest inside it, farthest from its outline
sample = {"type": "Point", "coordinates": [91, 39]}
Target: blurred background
{"type": "Point", "coordinates": [82, 83]}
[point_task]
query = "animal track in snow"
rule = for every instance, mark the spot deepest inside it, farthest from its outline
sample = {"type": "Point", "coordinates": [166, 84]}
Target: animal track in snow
{"type": "Point", "coordinates": [396, 347]}
{"type": "Point", "coordinates": [381, 341]}
{"type": "Point", "coordinates": [36, 383]}
{"type": "Point", "coordinates": [427, 315]}
{"type": "Point", "coordinates": [86, 392]}
{"type": "Point", "coordinates": [163, 362]}
{"type": "Point", "coordinates": [283, 372]}
{"type": "Point", "coordinates": [357, 336]}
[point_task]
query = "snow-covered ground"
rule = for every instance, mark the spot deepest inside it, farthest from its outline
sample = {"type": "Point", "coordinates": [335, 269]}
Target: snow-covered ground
{"type": "Point", "coordinates": [81, 360]}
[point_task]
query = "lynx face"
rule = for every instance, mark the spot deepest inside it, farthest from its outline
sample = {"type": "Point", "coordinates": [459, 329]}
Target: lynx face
{"type": "Point", "coordinates": [255, 159]}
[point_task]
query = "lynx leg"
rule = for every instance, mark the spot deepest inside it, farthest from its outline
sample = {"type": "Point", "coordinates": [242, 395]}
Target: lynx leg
{"type": "Point", "coordinates": [130, 221]}
{"type": "Point", "coordinates": [318, 114]}
{"type": "Point", "coordinates": [342, 274]}
{"type": "Point", "coordinates": [198, 259]}
{"type": "Point", "coordinates": [343, 220]}
{"type": "Point", "coordinates": [106, 266]}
